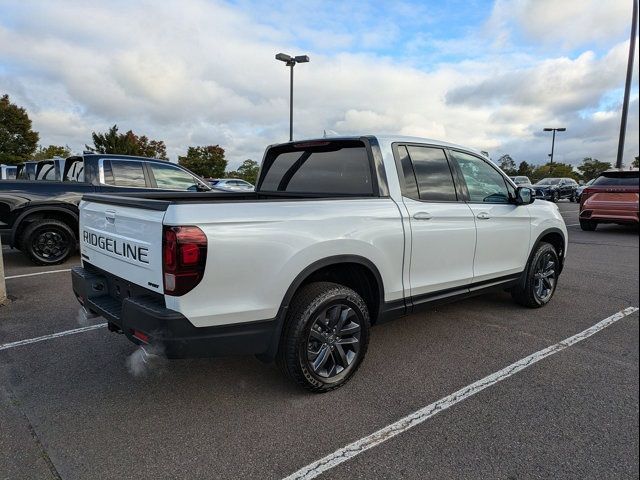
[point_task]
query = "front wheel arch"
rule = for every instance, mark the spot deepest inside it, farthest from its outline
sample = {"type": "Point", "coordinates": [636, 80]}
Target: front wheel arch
{"type": "Point", "coordinates": [556, 238]}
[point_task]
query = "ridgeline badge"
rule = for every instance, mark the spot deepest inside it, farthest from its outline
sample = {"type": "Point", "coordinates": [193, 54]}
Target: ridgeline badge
{"type": "Point", "coordinates": [117, 247]}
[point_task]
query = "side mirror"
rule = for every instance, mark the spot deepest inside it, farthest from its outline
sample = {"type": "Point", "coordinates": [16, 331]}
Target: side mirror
{"type": "Point", "coordinates": [524, 196]}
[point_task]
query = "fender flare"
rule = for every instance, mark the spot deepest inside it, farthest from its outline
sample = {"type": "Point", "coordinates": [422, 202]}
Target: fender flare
{"type": "Point", "coordinates": [43, 208]}
{"type": "Point", "coordinates": [271, 352]}
{"type": "Point", "coordinates": [534, 247]}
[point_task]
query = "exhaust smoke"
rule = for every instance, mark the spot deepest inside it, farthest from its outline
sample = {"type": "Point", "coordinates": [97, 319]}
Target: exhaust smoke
{"type": "Point", "coordinates": [147, 360]}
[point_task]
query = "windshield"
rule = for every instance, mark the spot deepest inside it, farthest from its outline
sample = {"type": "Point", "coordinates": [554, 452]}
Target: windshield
{"type": "Point", "coordinates": [549, 181]}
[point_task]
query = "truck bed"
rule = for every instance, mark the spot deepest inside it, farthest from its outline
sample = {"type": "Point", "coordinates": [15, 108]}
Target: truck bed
{"type": "Point", "coordinates": [160, 200]}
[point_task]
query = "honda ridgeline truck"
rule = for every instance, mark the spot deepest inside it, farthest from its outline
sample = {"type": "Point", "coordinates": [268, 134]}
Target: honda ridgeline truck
{"type": "Point", "coordinates": [339, 235]}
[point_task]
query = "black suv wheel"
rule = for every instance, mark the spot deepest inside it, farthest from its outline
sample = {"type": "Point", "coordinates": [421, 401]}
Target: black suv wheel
{"type": "Point", "coordinates": [541, 278]}
{"type": "Point", "coordinates": [325, 336]}
{"type": "Point", "coordinates": [48, 242]}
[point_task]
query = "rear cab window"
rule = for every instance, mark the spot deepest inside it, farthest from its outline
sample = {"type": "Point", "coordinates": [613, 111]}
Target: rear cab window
{"type": "Point", "coordinates": [331, 168]}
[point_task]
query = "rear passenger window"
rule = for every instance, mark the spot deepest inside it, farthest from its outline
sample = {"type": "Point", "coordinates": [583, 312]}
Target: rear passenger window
{"type": "Point", "coordinates": [433, 175]}
{"type": "Point", "coordinates": [127, 174]}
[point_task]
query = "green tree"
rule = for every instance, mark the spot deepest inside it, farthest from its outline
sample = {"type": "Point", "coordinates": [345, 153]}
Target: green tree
{"type": "Point", "coordinates": [127, 144]}
{"type": "Point", "coordinates": [525, 170]}
{"type": "Point", "coordinates": [206, 161]}
{"type": "Point", "coordinates": [554, 170]}
{"type": "Point", "coordinates": [592, 168]}
{"type": "Point", "coordinates": [247, 171]}
{"type": "Point", "coordinates": [17, 140]}
{"type": "Point", "coordinates": [636, 163]}
{"type": "Point", "coordinates": [507, 164]}
{"type": "Point", "coordinates": [42, 153]}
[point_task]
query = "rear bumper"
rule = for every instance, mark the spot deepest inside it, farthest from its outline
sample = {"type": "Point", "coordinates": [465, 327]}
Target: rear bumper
{"type": "Point", "coordinates": [168, 329]}
{"type": "Point", "coordinates": [610, 215]}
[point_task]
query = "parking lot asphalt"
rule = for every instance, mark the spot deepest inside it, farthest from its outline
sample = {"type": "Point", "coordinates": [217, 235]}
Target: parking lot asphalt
{"type": "Point", "coordinates": [71, 408]}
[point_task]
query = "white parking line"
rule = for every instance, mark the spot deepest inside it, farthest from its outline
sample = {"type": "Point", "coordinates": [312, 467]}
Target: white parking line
{"type": "Point", "coordinates": [359, 446]}
{"type": "Point", "coordinates": [29, 341]}
{"type": "Point", "coordinates": [36, 273]}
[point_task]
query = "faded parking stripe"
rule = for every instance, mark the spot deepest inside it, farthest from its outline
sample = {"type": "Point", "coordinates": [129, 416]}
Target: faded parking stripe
{"type": "Point", "coordinates": [36, 273]}
{"type": "Point", "coordinates": [29, 341]}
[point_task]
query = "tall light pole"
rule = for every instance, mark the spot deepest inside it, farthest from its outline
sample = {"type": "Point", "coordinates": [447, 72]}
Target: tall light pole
{"type": "Point", "coordinates": [627, 85]}
{"type": "Point", "coordinates": [291, 62]}
{"type": "Point", "coordinates": [553, 142]}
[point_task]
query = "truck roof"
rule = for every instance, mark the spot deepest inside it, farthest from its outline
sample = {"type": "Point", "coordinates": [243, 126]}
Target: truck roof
{"type": "Point", "coordinates": [118, 155]}
{"type": "Point", "coordinates": [385, 139]}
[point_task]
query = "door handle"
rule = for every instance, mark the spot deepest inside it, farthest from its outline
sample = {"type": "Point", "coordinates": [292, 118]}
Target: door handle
{"type": "Point", "coordinates": [483, 216]}
{"type": "Point", "coordinates": [422, 216]}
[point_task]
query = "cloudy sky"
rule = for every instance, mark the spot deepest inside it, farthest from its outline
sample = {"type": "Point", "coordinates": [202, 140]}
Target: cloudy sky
{"type": "Point", "coordinates": [486, 74]}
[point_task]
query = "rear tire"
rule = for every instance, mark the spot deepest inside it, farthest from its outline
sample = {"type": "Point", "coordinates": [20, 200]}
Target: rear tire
{"type": "Point", "coordinates": [48, 242]}
{"type": "Point", "coordinates": [541, 278]}
{"type": "Point", "coordinates": [555, 197]}
{"type": "Point", "coordinates": [588, 225]}
{"type": "Point", "coordinates": [325, 336]}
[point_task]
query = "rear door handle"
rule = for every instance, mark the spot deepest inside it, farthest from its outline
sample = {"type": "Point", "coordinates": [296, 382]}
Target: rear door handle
{"type": "Point", "coordinates": [483, 216]}
{"type": "Point", "coordinates": [422, 216]}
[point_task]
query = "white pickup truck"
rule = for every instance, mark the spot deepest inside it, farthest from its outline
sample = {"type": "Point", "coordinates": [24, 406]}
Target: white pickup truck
{"type": "Point", "coordinates": [340, 234]}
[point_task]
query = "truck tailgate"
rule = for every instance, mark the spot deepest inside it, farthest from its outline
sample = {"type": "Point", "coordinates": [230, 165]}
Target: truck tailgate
{"type": "Point", "coordinates": [124, 240]}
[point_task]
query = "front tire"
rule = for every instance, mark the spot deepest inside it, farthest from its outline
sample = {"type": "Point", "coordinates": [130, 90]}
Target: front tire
{"type": "Point", "coordinates": [325, 336]}
{"type": "Point", "coordinates": [541, 278]}
{"type": "Point", "coordinates": [48, 242]}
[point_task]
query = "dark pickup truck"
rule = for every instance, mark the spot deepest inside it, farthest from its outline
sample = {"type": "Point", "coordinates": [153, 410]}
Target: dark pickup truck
{"type": "Point", "coordinates": [40, 217]}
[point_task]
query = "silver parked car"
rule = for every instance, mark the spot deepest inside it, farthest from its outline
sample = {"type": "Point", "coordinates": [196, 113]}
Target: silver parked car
{"type": "Point", "coordinates": [231, 184]}
{"type": "Point", "coordinates": [521, 181]}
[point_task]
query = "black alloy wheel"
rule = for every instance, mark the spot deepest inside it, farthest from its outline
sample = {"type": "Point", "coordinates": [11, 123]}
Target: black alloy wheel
{"type": "Point", "coordinates": [48, 242]}
{"type": "Point", "coordinates": [540, 279]}
{"type": "Point", "coordinates": [545, 275]}
{"type": "Point", "coordinates": [325, 336]}
{"type": "Point", "coordinates": [334, 341]}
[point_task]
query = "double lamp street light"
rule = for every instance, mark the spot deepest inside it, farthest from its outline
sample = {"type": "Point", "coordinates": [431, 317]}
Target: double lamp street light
{"type": "Point", "coordinates": [291, 62]}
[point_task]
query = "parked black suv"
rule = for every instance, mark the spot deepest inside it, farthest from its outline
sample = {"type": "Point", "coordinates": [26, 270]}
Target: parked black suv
{"type": "Point", "coordinates": [554, 189]}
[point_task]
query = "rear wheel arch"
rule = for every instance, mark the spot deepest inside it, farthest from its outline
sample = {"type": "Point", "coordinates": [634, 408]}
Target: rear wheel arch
{"type": "Point", "coordinates": [353, 271]}
{"type": "Point", "coordinates": [65, 215]}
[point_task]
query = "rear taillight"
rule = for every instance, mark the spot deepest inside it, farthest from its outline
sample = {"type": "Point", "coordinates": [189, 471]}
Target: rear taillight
{"type": "Point", "coordinates": [184, 254]}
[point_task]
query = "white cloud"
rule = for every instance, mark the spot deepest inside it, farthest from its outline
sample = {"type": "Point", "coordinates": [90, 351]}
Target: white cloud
{"type": "Point", "coordinates": [202, 72]}
{"type": "Point", "coordinates": [564, 23]}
